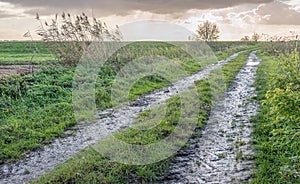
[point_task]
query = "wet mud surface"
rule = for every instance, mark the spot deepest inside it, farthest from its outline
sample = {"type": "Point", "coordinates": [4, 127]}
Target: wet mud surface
{"type": "Point", "coordinates": [222, 152]}
{"type": "Point", "coordinates": [108, 122]}
{"type": "Point", "coordinates": [6, 70]}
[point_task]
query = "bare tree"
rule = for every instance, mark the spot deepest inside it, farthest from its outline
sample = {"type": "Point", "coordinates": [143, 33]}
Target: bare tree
{"type": "Point", "coordinates": [245, 38]}
{"type": "Point", "coordinates": [207, 31]}
{"type": "Point", "coordinates": [255, 37]}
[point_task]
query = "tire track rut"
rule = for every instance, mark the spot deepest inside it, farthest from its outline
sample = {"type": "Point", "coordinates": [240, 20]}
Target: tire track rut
{"type": "Point", "coordinates": [222, 152]}
{"type": "Point", "coordinates": [109, 121]}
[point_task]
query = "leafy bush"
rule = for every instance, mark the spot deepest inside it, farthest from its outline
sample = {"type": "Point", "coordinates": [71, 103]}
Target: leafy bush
{"type": "Point", "coordinates": [277, 125]}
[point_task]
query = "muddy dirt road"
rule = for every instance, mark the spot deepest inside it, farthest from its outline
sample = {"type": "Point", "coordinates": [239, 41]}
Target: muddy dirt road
{"type": "Point", "coordinates": [6, 70]}
{"type": "Point", "coordinates": [111, 121]}
{"type": "Point", "coordinates": [222, 152]}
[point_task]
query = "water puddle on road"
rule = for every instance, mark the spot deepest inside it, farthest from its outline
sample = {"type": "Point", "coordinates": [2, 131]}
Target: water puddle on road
{"type": "Point", "coordinates": [222, 152]}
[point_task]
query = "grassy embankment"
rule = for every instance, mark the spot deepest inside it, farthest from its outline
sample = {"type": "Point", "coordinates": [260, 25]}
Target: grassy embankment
{"type": "Point", "coordinates": [277, 126]}
{"type": "Point", "coordinates": [90, 167]}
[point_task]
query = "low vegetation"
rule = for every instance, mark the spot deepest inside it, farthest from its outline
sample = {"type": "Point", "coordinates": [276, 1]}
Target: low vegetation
{"type": "Point", "coordinates": [276, 134]}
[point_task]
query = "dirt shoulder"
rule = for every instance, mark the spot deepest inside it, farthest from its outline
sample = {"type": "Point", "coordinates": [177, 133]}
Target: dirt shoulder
{"type": "Point", "coordinates": [6, 70]}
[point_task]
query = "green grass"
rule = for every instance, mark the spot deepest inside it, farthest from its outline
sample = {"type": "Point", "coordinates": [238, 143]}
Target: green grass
{"type": "Point", "coordinates": [22, 53]}
{"type": "Point", "coordinates": [25, 59]}
{"type": "Point", "coordinates": [90, 167]}
{"type": "Point", "coordinates": [146, 85]}
{"type": "Point", "coordinates": [276, 134]}
{"type": "Point", "coordinates": [34, 110]}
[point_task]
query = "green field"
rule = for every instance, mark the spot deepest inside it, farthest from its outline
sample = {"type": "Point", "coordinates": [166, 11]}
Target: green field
{"type": "Point", "coordinates": [24, 53]}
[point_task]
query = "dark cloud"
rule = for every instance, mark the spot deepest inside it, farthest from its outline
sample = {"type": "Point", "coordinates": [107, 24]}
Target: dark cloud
{"type": "Point", "coordinates": [274, 13]}
{"type": "Point", "coordinates": [279, 14]}
{"type": "Point", "coordinates": [108, 7]}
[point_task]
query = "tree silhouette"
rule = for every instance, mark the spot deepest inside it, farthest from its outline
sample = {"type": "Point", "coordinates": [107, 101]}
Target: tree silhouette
{"type": "Point", "coordinates": [255, 37]}
{"type": "Point", "coordinates": [245, 38]}
{"type": "Point", "coordinates": [208, 31]}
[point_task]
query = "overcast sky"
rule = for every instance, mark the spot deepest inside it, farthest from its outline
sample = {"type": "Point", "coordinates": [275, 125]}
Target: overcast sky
{"type": "Point", "coordinates": [236, 18]}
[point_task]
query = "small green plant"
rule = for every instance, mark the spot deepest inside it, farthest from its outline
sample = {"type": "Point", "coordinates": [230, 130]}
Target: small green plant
{"type": "Point", "coordinates": [26, 171]}
{"type": "Point", "coordinates": [221, 155]}
{"type": "Point", "coordinates": [239, 155]}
